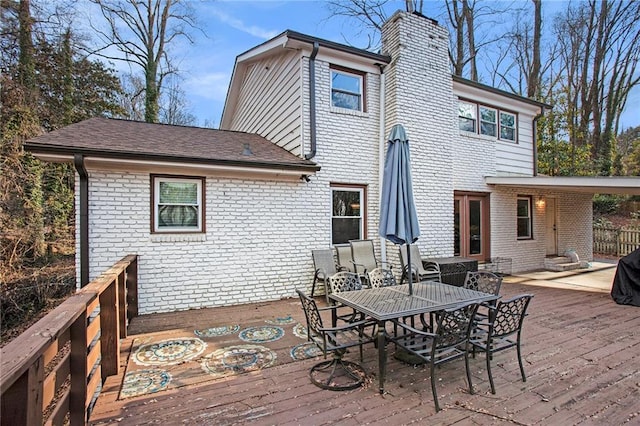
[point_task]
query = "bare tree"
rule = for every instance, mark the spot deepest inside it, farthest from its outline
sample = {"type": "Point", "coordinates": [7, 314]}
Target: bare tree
{"type": "Point", "coordinates": [175, 108]}
{"type": "Point", "coordinates": [142, 31]}
{"type": "Point", "coordinates": [601, 50]}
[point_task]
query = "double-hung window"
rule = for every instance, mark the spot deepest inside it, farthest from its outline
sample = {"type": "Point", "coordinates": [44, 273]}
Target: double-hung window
{"type": "Point", "coordinates": [347, 89]}
{"type": "Point", "coordinates": [467, 116]}
{"type": "Point", "coordinates": [347, 219]}
{"type": "Point", "coordinates": [507, 126]}
{"type": "Point", "coordinates": [488, 121]}
{"type": "Point", "coordinates": [524, 218]}
{"type": "Point", "coordinates": [178, 204]}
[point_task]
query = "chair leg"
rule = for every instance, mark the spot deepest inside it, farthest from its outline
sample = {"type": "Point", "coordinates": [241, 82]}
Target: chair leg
{"type": "Point", "coordinates": [466, 366]}
{"type": "Point", "coordinates": [524, 378]}
{"type": "Point", "coordinates": [488, 358]}
{"type": "Point", "coordinates": [433, 386]}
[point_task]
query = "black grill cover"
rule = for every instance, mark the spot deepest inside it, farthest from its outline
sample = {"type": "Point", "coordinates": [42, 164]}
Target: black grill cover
{"type": "Point", "coordinates": [626, 283]}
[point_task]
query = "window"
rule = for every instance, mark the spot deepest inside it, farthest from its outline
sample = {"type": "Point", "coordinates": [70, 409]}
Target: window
{"type": "Point", "coordinates": [467, 116]}
{"type": "Point", "coordinates": [492, 121]}
{"type": "Point", "coordinates": [524, 218]}
{"type": "Point", "coordinates": [347, 90]}
{"type": "Point", "coordinates": [346, 217]}
{"type": "Point", "coordinates": [507, 126]}
{"type": "Point", "coordinates": [488, 118]}
{"type": "Point", "coordinates": [178, 204]}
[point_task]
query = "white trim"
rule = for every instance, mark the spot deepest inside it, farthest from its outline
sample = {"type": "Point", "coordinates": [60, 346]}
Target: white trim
{"type": "Point", "coordinates": [586, 184]}
{"type": "Point", "coordinates": [157, 180]}
{"type": "Point", "coordinates": [174, 167]}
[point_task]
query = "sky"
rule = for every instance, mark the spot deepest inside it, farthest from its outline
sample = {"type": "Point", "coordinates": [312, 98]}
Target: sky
{"type": "Point", "coordinates": [231, 27]}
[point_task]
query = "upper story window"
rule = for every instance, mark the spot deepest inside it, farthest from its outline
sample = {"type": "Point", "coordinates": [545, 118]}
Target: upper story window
{"type": "Point", "coordinates": [467, 116]}
{"type": "Point", "coordinates": [488, 121]}
{"type": "Point", "coordinates": [178, 204]}
{"type": "Point", "coordinates": [492, 122]}
{"type": "Point", "coordinates": [507, 126]}
{"type": "Point", "coordinates": [347, 89]}
{"type": "Point", "coordinates": [525, 221]}
{"type": "Point", "coordinates": [347, 218]}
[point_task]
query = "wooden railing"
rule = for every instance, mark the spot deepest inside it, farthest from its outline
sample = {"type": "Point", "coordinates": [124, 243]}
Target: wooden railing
{"type": "Point", "coordinates": [615, 241]}
{"type": "Point", "coordinates": [52, 373]}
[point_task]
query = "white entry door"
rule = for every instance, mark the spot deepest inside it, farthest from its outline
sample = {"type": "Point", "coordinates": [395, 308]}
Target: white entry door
{"type": "Point", "coordinates": [551, 231]}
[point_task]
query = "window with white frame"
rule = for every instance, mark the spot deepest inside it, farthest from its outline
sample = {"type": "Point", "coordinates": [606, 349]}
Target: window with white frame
{"type": "Point", "coordinates": [507, 126]}
{"type": "Point", "coordinates": [524, 218]}
{"type": "Point", "coordinates": [347, 90]}
{"type": "Point", "coordinates": [488, 121]}
{"type": "Point", "coordinates": [178, 204]}
{"type": "Point", "coordinates": [467, 116]}
{"type": "Point", "coordinates": [491, 121]}
{"type": "Point", "coordinates": [347, 219]}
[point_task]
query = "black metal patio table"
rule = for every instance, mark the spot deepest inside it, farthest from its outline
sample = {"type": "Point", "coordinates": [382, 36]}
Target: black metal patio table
{"type": "Point", "coordinates": [392, 302]}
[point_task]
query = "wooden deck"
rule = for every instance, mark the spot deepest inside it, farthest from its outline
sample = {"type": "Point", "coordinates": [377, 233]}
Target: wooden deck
{"type": "Point", "coordinates": [582, 359]}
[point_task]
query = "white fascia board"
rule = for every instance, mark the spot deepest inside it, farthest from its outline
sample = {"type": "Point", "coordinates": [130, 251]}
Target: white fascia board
{"type": "Point", "coordinates": [479, 95]}
{"type": "Point", "coordinates": [238, 172]}
{"type": "Point", "coordinates": [586, 184]}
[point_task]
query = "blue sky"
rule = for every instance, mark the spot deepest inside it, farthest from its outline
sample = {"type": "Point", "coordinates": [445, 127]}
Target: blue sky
{"type": "Point", "coordinates": [234, 26]}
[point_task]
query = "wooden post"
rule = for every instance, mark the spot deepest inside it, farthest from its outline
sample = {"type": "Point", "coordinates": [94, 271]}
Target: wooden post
{"type": "Point", "coordinates": [132, 289]}
{"type": "Point", "coordinates": [78, 394]}
{"type": "Point", "coordinates": [121, 285]}
{"type": "Point", "coordinates": [22, 403]}
{"type": "Point", "coordinates": [109, 328]}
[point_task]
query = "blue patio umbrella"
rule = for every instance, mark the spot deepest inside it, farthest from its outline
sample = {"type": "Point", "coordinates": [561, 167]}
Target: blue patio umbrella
{"type": "Point", "coordinates": [398, 218]}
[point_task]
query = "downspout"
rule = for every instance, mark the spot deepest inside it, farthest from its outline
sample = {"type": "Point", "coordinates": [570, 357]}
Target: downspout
{"type": "Point", "coordinates": [535, 141]}
{"type": "Point", "coordinates": [78, 161]}
{"type": "Point", "coordinates": [381, 149]}
{"type": "Point", "coordinates": [312, 100]}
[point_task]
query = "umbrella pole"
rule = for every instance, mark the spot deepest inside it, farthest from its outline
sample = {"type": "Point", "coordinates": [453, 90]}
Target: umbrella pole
{"type": "Point", "coordinates": [410, 265]}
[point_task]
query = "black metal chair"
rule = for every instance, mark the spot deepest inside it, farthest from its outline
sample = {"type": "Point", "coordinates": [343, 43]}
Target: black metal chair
{"type": "Point", "coordinates": [381, 277]}
{"type": "Point", "coordinates": [448, 342]}
{"type": "Point", "coordinates": [497, 334]}
{"type": "Point", "coordinates": [486, 282]}
{"type": "Point", "coordinates": [345, 281]}
{"type": "Point", "coordinates": [337, 373]}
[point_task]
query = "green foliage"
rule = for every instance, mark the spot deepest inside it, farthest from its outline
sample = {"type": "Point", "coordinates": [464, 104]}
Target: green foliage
{"type": "Point", "coordinates": [37, 199]}
{"type": "Point", "coordinates": [606, 203]}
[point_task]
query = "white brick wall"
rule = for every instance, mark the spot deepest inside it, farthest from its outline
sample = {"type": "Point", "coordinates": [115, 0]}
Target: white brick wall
{"type": "Point", "coordinates": [259, 234]}
{"type": "Point", "coordinates": [574, 216]}
{"type": "Point", "coordinates": [419, 95]}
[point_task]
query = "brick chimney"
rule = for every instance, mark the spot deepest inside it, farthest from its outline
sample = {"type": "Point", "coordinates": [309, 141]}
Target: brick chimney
{"type": "Point", "coordinates": [419, 95]}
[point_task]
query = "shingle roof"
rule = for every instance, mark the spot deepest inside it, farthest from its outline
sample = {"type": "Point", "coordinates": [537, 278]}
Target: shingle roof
{"type": "Point", "coordinates": [114, 138]}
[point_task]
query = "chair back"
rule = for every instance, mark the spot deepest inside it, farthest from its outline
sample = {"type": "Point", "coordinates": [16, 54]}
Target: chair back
{"type": "Point", "coordinates": [380, 277]}
{"type": "Point", "coordinates": [323, 262]}
{"type": "Point", "coordinates": [484, 281]}
{"type": "Point", "coordinates": [454, 326]}
{"type": "Point", "coordinates": [364, 255]}
{"type": "Point", "coordinates": [508, 315]}
{"type": "Point", "coordinates": [312, 314]}
{"type": "Point", "coordinates": [424, 270]}
{"type": "Point", "coordinates": [431, 271]}
{"type": "Point", "coordinates": [345, 259]}
{"type": "Point", "coordinates": [344, 281]}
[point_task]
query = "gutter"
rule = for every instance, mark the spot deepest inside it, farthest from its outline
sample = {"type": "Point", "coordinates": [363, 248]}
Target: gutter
{"type": "Point", "coordinates": [312, 100]}
{"type": "Point", "coordinates": [535, 141]}
{"type": "Point", "coordinates": [78, 162]}
{"type": "Point", "coordinates": [381, 151]}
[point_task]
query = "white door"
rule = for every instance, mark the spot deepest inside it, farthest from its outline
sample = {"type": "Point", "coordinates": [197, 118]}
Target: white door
{"type": "Point", "coordinates": [551, 231]}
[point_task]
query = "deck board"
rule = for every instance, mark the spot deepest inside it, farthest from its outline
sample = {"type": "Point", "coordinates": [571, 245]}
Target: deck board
{"type": "Point", "coordinates": [580, 352]}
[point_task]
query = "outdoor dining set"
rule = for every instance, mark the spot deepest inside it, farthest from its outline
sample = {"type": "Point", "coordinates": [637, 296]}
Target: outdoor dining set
{"type": "Point", "coordinates": [425, 320]}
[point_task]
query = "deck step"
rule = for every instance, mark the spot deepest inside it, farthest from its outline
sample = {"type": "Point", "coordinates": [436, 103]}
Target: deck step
{"type": "Point", "coordinates": [560, 263]}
